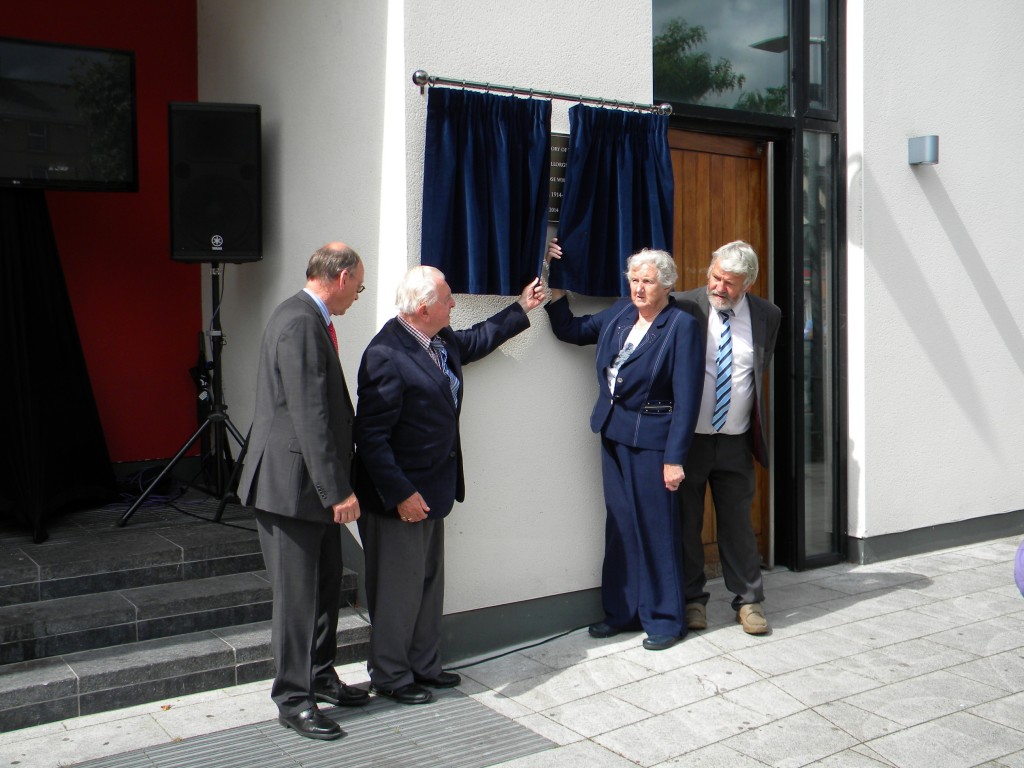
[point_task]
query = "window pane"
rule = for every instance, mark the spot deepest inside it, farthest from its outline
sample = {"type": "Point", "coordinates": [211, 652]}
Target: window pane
{"type": "Point", "coordinates": [819, 92]}
{"type": "Point", "coordinates": [820, 512]}
{"type": "Point", "coordinates": [723, 53]}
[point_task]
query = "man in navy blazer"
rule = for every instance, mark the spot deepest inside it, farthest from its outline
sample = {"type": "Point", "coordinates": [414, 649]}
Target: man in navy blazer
{"type": "Point", "coordinates": [297, 475]}
{"type": "Point", "coordinates": [723, 450]}
{"type": "Point", "coordinates": [409, 472]}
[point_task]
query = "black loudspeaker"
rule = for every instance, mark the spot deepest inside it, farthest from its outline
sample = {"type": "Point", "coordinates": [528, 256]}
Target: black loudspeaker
{"type": "Point", "coordinates": [215, 182]}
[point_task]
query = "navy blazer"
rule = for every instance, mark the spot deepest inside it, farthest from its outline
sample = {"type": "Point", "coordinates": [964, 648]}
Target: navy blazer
{"type": "Point", "coordinates": [407, 424]}
{"type": "Point", "coordinates": [658, 389]}
{"type": "Point", "coordinates": [765, 318]}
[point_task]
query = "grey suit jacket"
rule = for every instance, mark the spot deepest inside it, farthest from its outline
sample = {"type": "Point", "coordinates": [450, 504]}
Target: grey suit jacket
{"type": "Point", "coordinates": [299, 459]}
{"type": "Point", "coordinates": [765, 318]}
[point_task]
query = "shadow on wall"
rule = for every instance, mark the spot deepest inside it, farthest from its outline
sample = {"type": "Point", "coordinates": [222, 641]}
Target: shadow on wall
{"type": "Point", "coordinates": [1003, 318]}
{"type": "Point", "coordinates": [900, 272]}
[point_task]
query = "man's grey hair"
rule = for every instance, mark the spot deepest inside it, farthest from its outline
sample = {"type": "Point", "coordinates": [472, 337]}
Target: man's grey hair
{"type": "Point", "coordinates": [418, 287]}
{"type": "Point", "coordinates": [326, 264]}
{"type": "Point", "coordinates": [737, 258]}
{"type": "Point", "coordinates": [662, 262]}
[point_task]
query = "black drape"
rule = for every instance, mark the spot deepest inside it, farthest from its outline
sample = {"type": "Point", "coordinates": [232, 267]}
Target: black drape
{"type": "Point", "coordinates": [53, 455]}
{"type": "Point", "coordinates": [485, 189]}
{"type": "Point", "coordinates": [617, 199]}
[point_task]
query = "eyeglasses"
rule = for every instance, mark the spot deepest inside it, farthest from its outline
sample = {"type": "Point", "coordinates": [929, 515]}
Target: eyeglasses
{"type": "Point", "coordinates": [347, 272]}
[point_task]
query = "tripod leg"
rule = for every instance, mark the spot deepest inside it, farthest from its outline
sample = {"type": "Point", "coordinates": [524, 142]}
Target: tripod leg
{"type": "Point", "coordinates": [170, 465]}
{"type": "Point", "coordinates": [221, 456]}
{"type": "Point", "coordinates": [235, 433]}
{"type": "Point", "coordinates": [235, 472]}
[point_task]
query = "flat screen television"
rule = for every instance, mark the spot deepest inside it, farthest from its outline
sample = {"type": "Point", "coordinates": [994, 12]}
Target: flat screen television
{"type": "Point", "coordinates": [67, 117]}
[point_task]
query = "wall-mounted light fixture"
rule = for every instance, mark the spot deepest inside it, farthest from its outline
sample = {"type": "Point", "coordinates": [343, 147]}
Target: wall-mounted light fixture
{"type": "Point", "coordinates": [923, 150]}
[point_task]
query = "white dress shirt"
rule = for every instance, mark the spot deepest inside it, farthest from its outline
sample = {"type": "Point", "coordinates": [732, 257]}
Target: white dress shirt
{"type": "Point", "coordinates": [737, 421]}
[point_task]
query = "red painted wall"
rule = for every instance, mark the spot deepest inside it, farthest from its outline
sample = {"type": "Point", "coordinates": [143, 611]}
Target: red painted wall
{"type": "Point", "coordinates": [138, 313]}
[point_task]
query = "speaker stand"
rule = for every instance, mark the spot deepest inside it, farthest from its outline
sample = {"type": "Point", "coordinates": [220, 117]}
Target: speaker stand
{"type": "Point", "coordinates": [217, 422]}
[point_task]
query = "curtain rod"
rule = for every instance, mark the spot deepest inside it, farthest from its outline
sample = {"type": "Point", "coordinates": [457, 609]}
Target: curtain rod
{"type": "Point", "coordinates": [422, 79]}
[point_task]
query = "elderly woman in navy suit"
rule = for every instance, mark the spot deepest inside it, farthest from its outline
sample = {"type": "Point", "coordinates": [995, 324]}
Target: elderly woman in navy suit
{"type": "Point", "coordinates": [650, 374]}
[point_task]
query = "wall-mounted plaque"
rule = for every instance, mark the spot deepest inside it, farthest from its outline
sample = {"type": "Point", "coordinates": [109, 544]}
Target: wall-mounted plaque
{"type": "Point", "coordinates": [559, 154]}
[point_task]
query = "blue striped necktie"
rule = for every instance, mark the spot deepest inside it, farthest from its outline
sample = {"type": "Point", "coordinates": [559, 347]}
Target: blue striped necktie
{"type": "Point", "coordinates": [723, 381]}
{"type": "Point", "coordinates": [437, 345]}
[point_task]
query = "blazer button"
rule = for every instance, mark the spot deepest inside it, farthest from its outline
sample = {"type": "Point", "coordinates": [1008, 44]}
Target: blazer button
{"type": "Point", "coordinates": [451, 455]}
{"type": "Point", "coordinates": [618, 380]}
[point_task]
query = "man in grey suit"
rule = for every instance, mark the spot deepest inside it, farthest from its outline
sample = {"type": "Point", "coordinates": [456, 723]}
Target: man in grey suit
{"type": "Point", "coordinates": [731, 433]}
{"type": "Point", "coordinates": [298, 476]}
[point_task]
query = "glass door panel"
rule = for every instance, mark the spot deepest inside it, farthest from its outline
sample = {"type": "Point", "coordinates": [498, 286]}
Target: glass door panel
{"type": "Point", "coordinates": [821, 59]}
{"type": "Point", "coordinates": [820, 534]}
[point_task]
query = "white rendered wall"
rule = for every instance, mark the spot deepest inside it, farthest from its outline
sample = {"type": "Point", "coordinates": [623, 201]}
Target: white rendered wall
{"type": "Point", "coordinates": [343, 158]}
{"type": "Point", "coordinates": [533, 521]}
{"type": "Point", "coordinates": [936, 270]}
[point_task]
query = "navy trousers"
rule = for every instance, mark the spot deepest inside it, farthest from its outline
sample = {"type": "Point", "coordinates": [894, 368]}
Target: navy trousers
{"type": "Point", "coordinates": [642, 578]}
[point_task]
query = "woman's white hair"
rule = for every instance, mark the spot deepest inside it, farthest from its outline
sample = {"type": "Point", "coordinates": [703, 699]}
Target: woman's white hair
{"type": "Point", "coordinates": [418, 287]}
{"type": "Point", "coordinates": [662, 262]}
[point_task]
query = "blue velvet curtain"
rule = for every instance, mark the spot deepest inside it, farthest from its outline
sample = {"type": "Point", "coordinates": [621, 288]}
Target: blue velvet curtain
{"type": "Point", "coordinates": [617, 197]}
{"type": "Point", "coordinates": [485, 189]}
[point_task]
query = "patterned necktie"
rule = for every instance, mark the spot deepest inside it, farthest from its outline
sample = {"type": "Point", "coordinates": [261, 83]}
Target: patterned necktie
{"type": "Point", "coordinates": [723, 381]}
{"type": "Point", "coordinates": [333, 334]}
{"type": "Point", "coordinates": [437, 345]}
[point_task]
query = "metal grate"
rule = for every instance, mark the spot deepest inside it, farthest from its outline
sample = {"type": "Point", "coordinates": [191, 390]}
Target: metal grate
{"type": "Point", "coordinates": [455, 731]}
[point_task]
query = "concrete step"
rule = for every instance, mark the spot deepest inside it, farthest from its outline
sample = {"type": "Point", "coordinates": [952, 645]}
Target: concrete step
{"type": "Point", "coordinates": [81, 562]}
{"type": "Point", "coordinates": [69, 624]}
{"type": "Point", "coordinates": [99, 680]}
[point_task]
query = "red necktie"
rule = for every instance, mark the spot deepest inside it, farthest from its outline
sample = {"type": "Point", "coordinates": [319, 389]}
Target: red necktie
{"type": "Point", "coordinates": [334, 335]}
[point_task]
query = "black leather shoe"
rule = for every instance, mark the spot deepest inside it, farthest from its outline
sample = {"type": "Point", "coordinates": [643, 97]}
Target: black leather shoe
{"type": "Point", "coordinates": [660, 642]}
{"type": "Point", "coordinates": [406, 694]}
{"type": "Point", "coordinates": [312, 724]}
{"type": "Point", "coordinates": [603, 629]}
{"type": "Point", "coordinates": [443, 680]}
{"type": "Point", "coordinates": [341, 695]}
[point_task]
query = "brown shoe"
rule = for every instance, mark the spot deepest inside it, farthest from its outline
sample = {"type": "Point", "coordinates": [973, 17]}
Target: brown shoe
{"type": "Point", "coordinates": [753, 619]}
{"type": "Point", "coordinates": [696, 616]}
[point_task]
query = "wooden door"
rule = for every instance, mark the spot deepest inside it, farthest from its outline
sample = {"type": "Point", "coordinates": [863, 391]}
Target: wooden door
{"type": "Point", "coordinates": [722, 195]}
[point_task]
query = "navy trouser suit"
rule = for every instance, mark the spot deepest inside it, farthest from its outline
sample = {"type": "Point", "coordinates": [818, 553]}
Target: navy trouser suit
{"type": "Point", "coordinates": [648, 422]}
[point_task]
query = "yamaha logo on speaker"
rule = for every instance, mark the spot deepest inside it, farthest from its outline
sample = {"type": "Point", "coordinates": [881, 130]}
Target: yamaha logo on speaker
{"type": "Point", "coordinates": [217, 242]}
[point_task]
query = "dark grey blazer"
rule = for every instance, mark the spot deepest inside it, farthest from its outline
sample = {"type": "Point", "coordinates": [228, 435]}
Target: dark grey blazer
{"type": "Point", "coordinates": [765, 318]}
{"type": "Point", "coordinates": [299, 460]}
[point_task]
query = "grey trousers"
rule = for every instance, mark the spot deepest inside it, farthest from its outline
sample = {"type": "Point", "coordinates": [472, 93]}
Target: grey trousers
{"type": "Point", "coordinates": [405, 596]}
{"type": "Point", "coordinates": [303, 560]}
{"type": "Point", "coordinates": [726, 463]}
